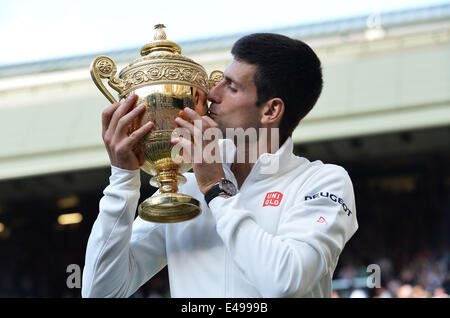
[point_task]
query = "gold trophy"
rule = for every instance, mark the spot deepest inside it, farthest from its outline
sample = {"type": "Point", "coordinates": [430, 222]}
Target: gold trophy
{"type": "Point", "coordinates": [166, 82]}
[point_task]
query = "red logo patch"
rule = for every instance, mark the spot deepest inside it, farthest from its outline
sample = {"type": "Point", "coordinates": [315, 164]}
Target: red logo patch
{"type": "Point", "coordinates": [322, 220]}
{"type": "Point", "coordinates": [273, 199]}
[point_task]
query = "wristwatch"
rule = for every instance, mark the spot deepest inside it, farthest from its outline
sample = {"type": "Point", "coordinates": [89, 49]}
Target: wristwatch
{"type": "Point", "coordinates": [224, 186]}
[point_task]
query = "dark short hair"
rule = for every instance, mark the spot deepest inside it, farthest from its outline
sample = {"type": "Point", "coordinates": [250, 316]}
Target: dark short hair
{"type": "Point", "coordinates": [286, 68]}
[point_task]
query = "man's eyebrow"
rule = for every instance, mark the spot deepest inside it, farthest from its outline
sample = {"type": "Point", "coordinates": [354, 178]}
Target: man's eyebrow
{"type": "Point", "coordinates": [229, 79]}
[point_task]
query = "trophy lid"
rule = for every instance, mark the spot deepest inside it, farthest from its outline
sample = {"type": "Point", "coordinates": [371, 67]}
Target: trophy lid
{"type": "Point", "coordinates": [162, 63]}
{"type": "Point", "coordinates": [160, 42]}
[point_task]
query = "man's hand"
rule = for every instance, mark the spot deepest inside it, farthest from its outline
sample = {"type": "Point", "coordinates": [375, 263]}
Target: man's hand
{"type": "Point", "coordinates": [124, 151]}
{"type": "Point", "coordinates": [207, 174]}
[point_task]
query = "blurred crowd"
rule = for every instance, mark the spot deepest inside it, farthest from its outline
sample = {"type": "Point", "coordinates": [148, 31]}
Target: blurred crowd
{"type": "Point", "coordinates": [426, 275]}
{"type": "Point", "coordinates": [404, 229]}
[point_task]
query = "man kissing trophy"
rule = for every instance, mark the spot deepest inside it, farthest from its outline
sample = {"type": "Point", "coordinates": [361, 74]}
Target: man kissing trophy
{"type": "Point", "coordinates": [165, 82]}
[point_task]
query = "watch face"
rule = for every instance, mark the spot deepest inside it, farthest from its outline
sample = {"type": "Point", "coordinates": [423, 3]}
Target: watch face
{"type": "Point", "coordinates": [228, 187]}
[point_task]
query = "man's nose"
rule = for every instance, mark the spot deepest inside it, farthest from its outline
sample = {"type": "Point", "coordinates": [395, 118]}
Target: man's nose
{"type": "Point", "coordinates": [213, 95]}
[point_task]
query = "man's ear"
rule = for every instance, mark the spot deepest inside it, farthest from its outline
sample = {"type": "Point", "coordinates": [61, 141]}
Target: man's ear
{"type": "Point", "coordinates": [272, 111]}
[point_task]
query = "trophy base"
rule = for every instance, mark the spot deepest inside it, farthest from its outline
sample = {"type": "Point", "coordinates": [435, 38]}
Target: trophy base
{"type": "Point", "coordinates": [169, 208]}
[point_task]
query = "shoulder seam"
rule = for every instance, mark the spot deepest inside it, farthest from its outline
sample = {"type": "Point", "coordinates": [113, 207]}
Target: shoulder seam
{"type": "Point", "coordinates": [325, 165]}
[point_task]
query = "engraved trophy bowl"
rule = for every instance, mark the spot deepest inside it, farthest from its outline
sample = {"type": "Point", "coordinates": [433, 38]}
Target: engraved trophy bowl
{"type": "Point", "coordinates": [166, 82]}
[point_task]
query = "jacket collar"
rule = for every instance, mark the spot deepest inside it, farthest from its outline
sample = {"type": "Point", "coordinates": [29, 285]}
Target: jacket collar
{"type": "Point", "coordinates": [268, 164]}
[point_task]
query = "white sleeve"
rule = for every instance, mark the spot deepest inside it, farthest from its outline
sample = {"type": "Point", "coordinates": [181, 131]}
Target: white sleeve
{"type": "Point", "coordinates": [291, 262]}
{"type": "Point", "coordinates": [120, 255]}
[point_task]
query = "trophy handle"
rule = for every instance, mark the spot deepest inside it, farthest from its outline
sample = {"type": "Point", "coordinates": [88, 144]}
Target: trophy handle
{"type": "Point", "coordinates": [214, 78]}
{"type": "Point", "coordinates": [104, 67]}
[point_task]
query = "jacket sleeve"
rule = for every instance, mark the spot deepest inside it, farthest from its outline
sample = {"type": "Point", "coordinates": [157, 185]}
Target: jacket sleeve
{"type": "Point", "coordinates": [310, 236]}
{"type": "Point", "coordinates": [121, 255]}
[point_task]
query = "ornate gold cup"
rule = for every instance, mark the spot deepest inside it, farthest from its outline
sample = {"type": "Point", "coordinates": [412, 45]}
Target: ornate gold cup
{"type": "Point", "coordinates": [166, 82]}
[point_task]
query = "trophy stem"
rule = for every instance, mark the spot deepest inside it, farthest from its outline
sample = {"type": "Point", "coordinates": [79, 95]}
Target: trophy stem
{"type": "Point", "coordinates": [167, 181]}
{"type": "Point", "coordinates": [169, 206]}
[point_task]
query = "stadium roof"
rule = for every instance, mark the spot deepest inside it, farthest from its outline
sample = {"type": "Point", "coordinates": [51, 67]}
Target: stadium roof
{"type": "Point", "coordinates": [338, 27]}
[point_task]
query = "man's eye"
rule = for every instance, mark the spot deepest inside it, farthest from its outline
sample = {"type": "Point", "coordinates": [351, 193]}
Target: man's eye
{"type": "Point", "coordinates": [231, 88]}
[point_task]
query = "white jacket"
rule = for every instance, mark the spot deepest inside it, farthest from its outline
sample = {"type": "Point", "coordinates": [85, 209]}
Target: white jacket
{"type": "Point", "coordinates": [280, 236]}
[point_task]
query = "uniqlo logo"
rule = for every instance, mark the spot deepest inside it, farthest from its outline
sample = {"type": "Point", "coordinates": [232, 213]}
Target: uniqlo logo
{"type": "Point", "coordinates": [273, 199]}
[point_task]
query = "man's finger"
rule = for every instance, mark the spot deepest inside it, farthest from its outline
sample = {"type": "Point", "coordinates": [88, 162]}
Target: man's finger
{"type": "Point", "coordinates": [138, 134]}
{"type": "Point", "coordinates": [192, 114]}
{"type": "Point", "coordinates": [210, 121]}
{"type": "Point", "coordinates": [206, 121]}
{"type": "Point", "coordinates": [183, 147]}
{"type": "Point", "coordinates": [121, 111]}
{"type": "Point", "coordinates": [127, 119]}
{"type": "Point", "coordinates": [107, 115]}
{"type": "Point", "coordinates": [185, 124]}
